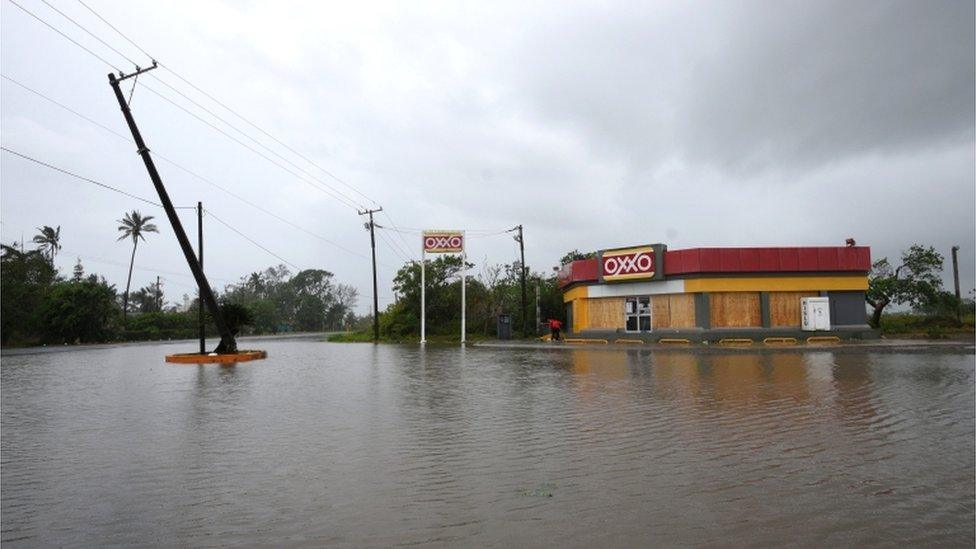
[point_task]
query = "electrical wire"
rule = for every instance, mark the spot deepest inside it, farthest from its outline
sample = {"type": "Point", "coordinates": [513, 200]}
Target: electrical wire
{"type": "Point", "coordinates": [333, 194]}
{"type": "Point", "coordinates": [210, 96]}
{"type": "Point", "coordinates": [248, 147]}
{"type": "Point", "coordinates": [339, 196]}
{"type": "Point", "coordinates": [194, 174]}
{"type": "Point", "coordinates": [252, 241]}
{"type": "Point", "coordinates": [82, 178]}
{"type": "Point", "coordinates": [82, 27]}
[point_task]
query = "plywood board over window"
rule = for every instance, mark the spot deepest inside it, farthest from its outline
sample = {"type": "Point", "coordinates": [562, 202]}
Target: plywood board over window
{"type": "Point", "coordinates": [661, 311]}
{"type": "Point", "coordinates": [735, 310]}
{"type": "Point", "coordinates": [606, 313]}
{"type": "Point", "coordinates": [682, 308]}
{"type": "Point", "coordinates": [784, 308]}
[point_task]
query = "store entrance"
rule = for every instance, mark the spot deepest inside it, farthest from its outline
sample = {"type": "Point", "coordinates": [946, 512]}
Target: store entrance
{"type": "Point", "coordinates": [638, 314]}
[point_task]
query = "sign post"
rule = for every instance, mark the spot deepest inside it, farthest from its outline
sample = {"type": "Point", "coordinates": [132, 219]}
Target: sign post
{"type": "Point", "coordinates": [440, 242]}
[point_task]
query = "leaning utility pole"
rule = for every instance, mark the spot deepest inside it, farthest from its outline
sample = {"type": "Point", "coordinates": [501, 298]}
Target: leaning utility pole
{"type": "Point", "coordinates": [521, 241]}
{"type": "Point", "coordinates": [227, 342]}
{"type": "Point", "coordinates": [376, 301]}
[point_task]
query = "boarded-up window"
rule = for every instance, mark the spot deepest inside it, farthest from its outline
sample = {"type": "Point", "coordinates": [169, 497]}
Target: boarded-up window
{"type": "Point", "coordinates": [735, 310]}
{"type": "Point", "coordinates": [607, 313]}
{"type": "Point", "coordinates": [784, 308]}
{"type": "Point", "coordinates": [661, 313]}
{"type": "Point", "coordinates": [682, 308]}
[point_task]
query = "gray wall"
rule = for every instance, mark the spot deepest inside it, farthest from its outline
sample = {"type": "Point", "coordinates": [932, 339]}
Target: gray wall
{"type": "Point", "coordinates": [847, 309]}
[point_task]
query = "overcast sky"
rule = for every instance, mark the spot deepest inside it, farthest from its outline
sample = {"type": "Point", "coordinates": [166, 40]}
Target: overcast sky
{"type": "Point", "coordinates": [593, 125]}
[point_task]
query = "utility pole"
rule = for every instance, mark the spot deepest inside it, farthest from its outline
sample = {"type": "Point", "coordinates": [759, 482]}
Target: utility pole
{"type": "Point", "coordinates": [227, 342]}
{"type": "Point", "coordinates": [955, 270]}
{"type": "Point", "coordinates": [538, 307]}
{"type": "Point", "coordinates": [203, 328]}
{"type": "Point", "coordinates": [372, 243]}
{"type": "Point", "coordinates": [521, 241]}
{"type": "Point", "coordinates": [159, 305]}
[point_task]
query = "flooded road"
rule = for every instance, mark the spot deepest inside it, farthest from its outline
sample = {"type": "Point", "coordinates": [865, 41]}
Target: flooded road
{"type": "Point", "coordinates": [356, 445]}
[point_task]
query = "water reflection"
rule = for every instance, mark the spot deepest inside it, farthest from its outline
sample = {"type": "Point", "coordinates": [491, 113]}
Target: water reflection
{"type": "Point", "coordinates": [378, 445]}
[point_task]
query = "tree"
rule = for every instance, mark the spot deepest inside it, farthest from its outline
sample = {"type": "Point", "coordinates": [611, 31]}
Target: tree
{"type": "Point", "coordinates": [26, 277]}
{"type": "Point", "coordinates": [79, 271]}
{"type": "Point", "coordinates": [915, 282]}
{"type": "Point", "coordinates": [78, 311]}
{"type": "Point", "coordinates": [133, 225]}
{"type": "Point", "coordinates": [49, 241]}
{"type": "Point", "coordinates": [146, 300]}
{"type": "Point", "coordinates": [576, 255]}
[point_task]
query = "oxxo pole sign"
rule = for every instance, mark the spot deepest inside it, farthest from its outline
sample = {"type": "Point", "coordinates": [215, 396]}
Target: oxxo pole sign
{"type": "Point", "coordinates": [440, 242]}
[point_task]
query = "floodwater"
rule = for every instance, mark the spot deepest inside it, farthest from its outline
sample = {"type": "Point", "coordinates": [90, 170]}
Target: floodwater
{"type": "Point", "coordinates": [360, 445]}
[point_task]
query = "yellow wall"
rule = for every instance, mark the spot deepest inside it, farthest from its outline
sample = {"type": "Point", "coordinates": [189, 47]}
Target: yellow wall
{"type": "Point", "coordinates": [776, 284]}
{"type": "Point", "coordinates": [581, 314]}
{"type": "Point", "coordinates": [579, 292]}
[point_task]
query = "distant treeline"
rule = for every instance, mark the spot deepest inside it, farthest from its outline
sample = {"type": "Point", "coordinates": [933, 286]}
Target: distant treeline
{"type": "Point", "coordinates": [40, 306]}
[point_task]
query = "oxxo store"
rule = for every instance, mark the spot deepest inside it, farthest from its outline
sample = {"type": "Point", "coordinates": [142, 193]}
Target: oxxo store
{"type": "Point", "coordinates": [651, 292]}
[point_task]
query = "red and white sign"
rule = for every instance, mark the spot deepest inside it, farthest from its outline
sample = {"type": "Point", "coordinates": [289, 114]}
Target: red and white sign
{"type": "Point", "coordinates": [443, 242]}
{"type": "Point", "coordinates": [627, 264]}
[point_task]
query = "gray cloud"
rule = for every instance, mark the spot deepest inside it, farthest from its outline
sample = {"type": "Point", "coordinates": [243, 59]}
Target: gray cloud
{"type": "Point", "coordinates": [734, 123]}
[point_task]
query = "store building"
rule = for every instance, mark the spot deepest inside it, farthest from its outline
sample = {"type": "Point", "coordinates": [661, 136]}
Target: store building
{"type": "Point", "coordinates": [650, 292]}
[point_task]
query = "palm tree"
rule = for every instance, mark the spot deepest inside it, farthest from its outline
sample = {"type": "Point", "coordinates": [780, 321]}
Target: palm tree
{"type": "Point", "coordinates": [49, 240]}
{"type": "Point", "coordinates": [134, 226]}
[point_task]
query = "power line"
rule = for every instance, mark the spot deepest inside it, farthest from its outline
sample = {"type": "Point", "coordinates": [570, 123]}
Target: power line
{"type": "Point", "coordinates": [246, 120]}
{"type": "Point", "coordinates": [249, 239]}
{"type": "Point", "coordinates": [192, 173]}
{"type": "Point", "coordinates": [341, 197]}
{"type": "Point", "coordinates": [335, 194]}
{"type": "Point", "coordinates": [344, 198]}
{"type": "Point", "coordinates": [69, 109]}
{"type": "Point", "coordinates": [90, 33]}
{"type": "Point", "coordinates": [66, 37]}
{"type": "Point", "coordinates": [248, 147]}
{"type": "Point", "coordinates": [129, 40]}
{"type": "Point", "coordinates": [82, 178]}
{"type": "Point", "coordinates": [348, 200]}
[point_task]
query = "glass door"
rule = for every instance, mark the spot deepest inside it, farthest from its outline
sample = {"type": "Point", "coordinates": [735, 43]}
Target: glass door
{"type": "Point", "coordinates": [638, 314]}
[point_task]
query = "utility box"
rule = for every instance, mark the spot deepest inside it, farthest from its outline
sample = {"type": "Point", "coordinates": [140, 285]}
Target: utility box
{"type": "Point", "coordinates": [504, 326]}
{"type": "Point", "coordinates": [815, 314]}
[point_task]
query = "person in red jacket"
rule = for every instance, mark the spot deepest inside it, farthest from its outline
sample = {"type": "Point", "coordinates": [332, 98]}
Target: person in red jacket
{"type": "Point", "coordinates": [554, 328]}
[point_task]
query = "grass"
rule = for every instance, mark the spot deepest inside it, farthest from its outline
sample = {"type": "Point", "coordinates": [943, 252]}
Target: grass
{"type": "Point", "coordinates": [930, 327]}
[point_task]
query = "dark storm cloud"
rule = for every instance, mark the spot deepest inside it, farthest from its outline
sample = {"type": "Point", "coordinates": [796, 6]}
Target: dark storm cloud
{"type": "Point", "coordinates": [754, 86]}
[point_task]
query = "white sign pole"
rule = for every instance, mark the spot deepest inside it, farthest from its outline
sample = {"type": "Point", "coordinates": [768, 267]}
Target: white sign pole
{"type": "Point", "coordinates": [423, 294]}
{"type": "Point", "coordinates": [464, 268]}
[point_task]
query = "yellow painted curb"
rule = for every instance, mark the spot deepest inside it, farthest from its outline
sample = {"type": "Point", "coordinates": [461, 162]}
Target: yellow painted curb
{"type": "Point", "coordinates": [735, 341]}
{"type": "Point", "coordinates": [779, 341]}
{"type": "Point", "coordinates": [213, 358]}
{"type": "Point", "coordinates": [584, 341]}
{"type": "Point", "coordinates": [634, 341]}
{"type": "Point", "coordinates": [823, 339]}
{"type": "Point", "coordinates": [674, 341]}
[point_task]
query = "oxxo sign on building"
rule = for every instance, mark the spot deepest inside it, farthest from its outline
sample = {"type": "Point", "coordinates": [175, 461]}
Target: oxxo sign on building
{"type": "Point", "coordinates": [623, 264]}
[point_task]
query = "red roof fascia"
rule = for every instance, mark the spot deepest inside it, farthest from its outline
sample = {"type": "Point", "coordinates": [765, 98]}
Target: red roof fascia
{"type": "Point", "coordinates": [767, 260]}
{"type": "Point", "coordinates": [740, 260]}
{"type": "Point", "coordinates": [581, 270]}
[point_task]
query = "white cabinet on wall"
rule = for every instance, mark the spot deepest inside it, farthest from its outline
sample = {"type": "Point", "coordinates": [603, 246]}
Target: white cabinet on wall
{"type": "Point", "coordinates": [815, 313]}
